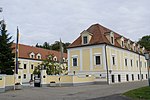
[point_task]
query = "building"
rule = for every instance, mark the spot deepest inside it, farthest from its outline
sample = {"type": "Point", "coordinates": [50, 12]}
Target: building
{"type": "Point", "coordinates": [107, 55]}
{"type": "Point", "coordinates": [31, 57]}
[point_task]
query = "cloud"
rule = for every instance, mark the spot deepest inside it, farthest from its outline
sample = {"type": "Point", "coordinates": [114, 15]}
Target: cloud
{"type": "Point", "coordinates": [50, 20]}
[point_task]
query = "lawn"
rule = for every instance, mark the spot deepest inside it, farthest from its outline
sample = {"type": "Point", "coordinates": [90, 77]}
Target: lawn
{"type": "Point", "coordinates": [140, 93]}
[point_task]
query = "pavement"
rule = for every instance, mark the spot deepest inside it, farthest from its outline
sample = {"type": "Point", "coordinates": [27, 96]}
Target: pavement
{"type": "Point", "coordinates": [88, 92]}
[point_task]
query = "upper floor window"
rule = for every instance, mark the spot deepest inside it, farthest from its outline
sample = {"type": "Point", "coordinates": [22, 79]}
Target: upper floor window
{"type": "Point", "coordinates": [131, 63]}
{"type": "Point", "coordinates": [97, 60]}
{"type": "Point", "coordinates": [74, 61]}
{"type": "Point", "coordinates": [25, 66]}
{"type": "Point", "coordinates": [126, 62]}
{"type": "Point", "coordinates": [31, 66]}
{"type": "Point", "coordinates": [137, 63]}
{"type": "Point", "coordinates": [85, 40]}
{"type": "Point", "coordinates": [113, 60]}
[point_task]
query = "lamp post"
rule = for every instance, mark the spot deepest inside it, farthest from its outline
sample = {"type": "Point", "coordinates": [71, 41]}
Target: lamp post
{"type": "Point", "coordinates": [147, 57]}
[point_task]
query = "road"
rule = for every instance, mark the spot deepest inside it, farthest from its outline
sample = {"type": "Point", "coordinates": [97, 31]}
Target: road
{"type": "Point", "coordinates": [88, 92]}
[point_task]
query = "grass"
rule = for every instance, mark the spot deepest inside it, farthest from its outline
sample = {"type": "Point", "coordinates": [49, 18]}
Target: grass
{"type": "Point", "coordinates": [140, 93]}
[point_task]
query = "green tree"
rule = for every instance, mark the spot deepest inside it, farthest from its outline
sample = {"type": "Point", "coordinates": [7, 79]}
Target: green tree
{"type": "Point", "coordinates": [6, 55]}
{"type": "Point", "coordinates": [145, 42]}
{"type": "Point", "coordinates": [54, 46]}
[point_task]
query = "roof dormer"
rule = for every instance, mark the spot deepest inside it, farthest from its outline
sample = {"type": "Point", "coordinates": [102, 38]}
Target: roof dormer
{"type": "Point", "coordinates": [86, 37]}
{"type": "Point", "coordinates": [110, 37]}
{"type": "Point", "coordinates": [120, 40]}
{"type": "Point", "coordinates": [55, 58]}
{"type": "Point", "coordinates": [134, 46]}
{"type": "Point", "coordinates": [32, 55]}
{"type": "Point", "coordinates": [38, 56]}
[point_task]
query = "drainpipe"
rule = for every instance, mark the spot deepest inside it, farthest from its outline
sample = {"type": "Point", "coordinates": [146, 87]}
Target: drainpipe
{"type": "Point", "coordinates": [106, 64]}
{"type": "Point", "coordinates": [140, 68]}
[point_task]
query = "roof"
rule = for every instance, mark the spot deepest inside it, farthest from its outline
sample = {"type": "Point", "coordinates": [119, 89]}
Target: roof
{"type": "Point", "coordinates": [99, 34]}
{"type": "Point", "coordinates": [25, 50]}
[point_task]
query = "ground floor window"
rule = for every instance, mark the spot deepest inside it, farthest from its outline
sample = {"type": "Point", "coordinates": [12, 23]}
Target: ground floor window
{"type": "Point", "coordinates": [31, 76]}
{"type": "Point", "coordinates": [146, 76]}
{"type": "Point", "coordinates": [113, 78]}
{"type": "Point", "coordinates": [24, 76]}
{"type": "Point", "coordinates": [132, 77]}
{"type": "Point", "coordinates": [119, 78]}
{"type": "Point", "coordinates": [142, 76]}
{"type": "Point", "coordinates": [127, 77]}
{"type": "Point", "coordinates": [138, 77]}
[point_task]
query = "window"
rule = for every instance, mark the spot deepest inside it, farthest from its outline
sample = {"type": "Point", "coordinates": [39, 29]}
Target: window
{"type": "Point", "coordinates": [119, 78]}
{"type": "Point", "coordinates": [131, 63]}
{"type": "Point", "coordinates": [142, 76]}
{"type": "Point", "coordinates": [85, 40]}
{"type": "Point", "coordinates": [122, 43]}
{"type": "Point", "coordinates": [112, 40]}
{"type": "Point", "coordinates": [126, 63]}
{"type": "Point", "coordinates": [113, 78]}
{"type": "Point", "coordinates": [113, 60]}
{"type": "Point", "coordinates": [138, 77]}
{"type": "Point", "coordinates": [137, 63]}
{"type": "Point", "coordinates": [39, 57]}
{"type": "Point", "coordinates": [32, 56]}
{"type": "Point", "coordinates": [146, 76]}
{"type": "Point", "coordinates": [132, 77]}
{"type": "Point", "coordinates": [97, 60]}
{"type": "Point", "coordinates": [32, 66]}
{"type": "Point", "coordinates": [19, 77]}
{"type": "Point", "coordinates": [25, 66]}
{"type": "Point", "coordinates": [127, 77]}
{"type": "Point", "coordinates": [74, 61]}
{"type": "Point", "coordinates": [24, 76]}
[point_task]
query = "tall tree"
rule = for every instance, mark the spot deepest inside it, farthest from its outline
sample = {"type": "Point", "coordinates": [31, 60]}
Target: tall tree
{"type": "Point", "coordinates": [6, 55]}
{"type": "Point", "coordinates": [145, 42]}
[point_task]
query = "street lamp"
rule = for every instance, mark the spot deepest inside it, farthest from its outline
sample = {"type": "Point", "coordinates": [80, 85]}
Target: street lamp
{"type": "Point", "coordinates": [147, 57]}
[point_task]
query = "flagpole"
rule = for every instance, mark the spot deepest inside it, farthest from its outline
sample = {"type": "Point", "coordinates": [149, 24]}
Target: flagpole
{"type": "Point", "coordinates": [16, 64]}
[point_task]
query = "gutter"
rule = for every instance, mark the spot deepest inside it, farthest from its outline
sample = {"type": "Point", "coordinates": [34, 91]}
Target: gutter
{"type": "Point", "coordinates": [106, 64]}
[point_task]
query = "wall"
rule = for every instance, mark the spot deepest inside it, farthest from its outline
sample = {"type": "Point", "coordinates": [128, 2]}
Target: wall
{"type": "Point", "coordinates": [2, 83]}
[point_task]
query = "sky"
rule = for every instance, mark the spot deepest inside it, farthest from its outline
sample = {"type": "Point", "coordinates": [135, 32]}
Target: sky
{"type": "Point", "coordinates": [42, 21]}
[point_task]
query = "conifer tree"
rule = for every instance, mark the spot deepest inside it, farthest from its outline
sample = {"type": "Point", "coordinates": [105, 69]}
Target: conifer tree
{"type": "Point", "coordinates": [6, 55]}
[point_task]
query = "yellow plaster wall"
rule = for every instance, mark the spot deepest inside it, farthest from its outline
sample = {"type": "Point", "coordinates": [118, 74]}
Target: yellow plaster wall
{"type": "Point", "coordinates": [77, 79]}
{"type": "Point", "coordinates": [86, 59]}
{"type": "Point", "coordinates": [2, 82]}
{"type": "Point", "coordinates": [9, 80]}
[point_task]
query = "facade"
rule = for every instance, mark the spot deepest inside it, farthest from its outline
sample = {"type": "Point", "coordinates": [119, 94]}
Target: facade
{"type": "Point", "coordinates": [31, 57]}
{"type": "Point", "coordinates": [110, 57]}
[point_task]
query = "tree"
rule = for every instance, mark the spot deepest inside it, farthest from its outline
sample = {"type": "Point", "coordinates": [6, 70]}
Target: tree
{"type": "Point", "coordinates": [54, 46]}
{"type": "Point", "coordinates": [6, 55]}
{"type": "Point", "coordinates": [145, 42]}
{"type": "Point", "coordinates": [51, 66]}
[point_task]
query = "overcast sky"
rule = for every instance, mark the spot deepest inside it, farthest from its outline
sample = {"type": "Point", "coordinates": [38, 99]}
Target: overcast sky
{"type": "Point", "coordinates": [50, 20]}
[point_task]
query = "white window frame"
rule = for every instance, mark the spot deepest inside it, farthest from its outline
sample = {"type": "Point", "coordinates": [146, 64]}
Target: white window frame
{"type": "Point", "coordinates": [113, 55]}
{"type": "Point", "coordinates": [75, 56]}
{"type": "Point", "coordinates": [97, 54]}
{"type": "Point", "coordinates": [83, 39]}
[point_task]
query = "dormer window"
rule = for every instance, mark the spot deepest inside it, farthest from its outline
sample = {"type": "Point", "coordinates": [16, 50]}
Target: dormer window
{"type": "Point", "coordinates": [38, 56]}
{"type": "Point", "coordinates": [55, 58]}
{"type": "Point", "coordinates": [122, 44]}
{"type": "Point", "coordinates": [85, 40]}
{"type": "Point", "coordinates": [32, 55]}
{"type": "Point", "coordinates": [112, 40]}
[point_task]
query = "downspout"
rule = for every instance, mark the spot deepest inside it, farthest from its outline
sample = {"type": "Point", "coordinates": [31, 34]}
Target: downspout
{"type": "Point", "coordinates": [140, 68]}
{"type": "Point", "coordinates": [106, 64]}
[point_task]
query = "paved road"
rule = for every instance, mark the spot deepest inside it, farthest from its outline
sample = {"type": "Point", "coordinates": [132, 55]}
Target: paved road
{"type": "Point", "coordinates": [89, 92]}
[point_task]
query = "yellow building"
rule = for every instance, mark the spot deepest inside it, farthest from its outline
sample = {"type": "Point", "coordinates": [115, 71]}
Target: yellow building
{"type": "Point", "coordinates": [110, 57]}
{"type": "Point", "coordinates": [31, 57]}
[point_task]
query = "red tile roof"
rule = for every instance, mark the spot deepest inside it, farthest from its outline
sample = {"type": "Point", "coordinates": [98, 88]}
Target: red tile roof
{"type": "Point", "coordinates": [25, 50]}
{"type": "Point", "coordinates": [99, 33]}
